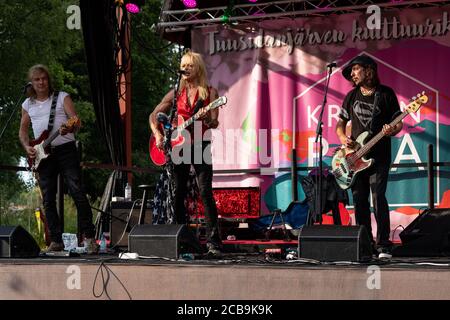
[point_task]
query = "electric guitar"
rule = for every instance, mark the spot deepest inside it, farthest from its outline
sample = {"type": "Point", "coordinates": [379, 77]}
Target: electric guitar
{"type": "Point", "coordinates": [157, 155]}
{"type": "Point", "coordinates": [42, 144]}
{"type": "Point", "coordinates": [348, 162]}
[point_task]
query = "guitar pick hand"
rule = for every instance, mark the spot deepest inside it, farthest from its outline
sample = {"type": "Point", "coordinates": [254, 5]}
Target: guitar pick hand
{"type": "Point", "coordinates": [159, 141]}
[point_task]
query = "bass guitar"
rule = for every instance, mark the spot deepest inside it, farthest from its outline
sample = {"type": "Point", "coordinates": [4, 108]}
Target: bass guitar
{"type": "Point", "coordinates": [42, 144]}
{"type": "Point", "coordinates": [157, 155]}
{"type": "Point", "coordinates": [347, 163]}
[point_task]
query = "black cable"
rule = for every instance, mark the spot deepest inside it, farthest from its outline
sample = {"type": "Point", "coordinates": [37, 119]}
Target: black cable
{"type": "Point", "coordinates": [395, 229]}
{"type": "Point", "coordinates": [105, 282]}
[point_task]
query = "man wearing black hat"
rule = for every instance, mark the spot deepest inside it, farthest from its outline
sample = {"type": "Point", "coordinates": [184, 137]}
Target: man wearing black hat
{"type": "Point", "coordinates": [370, 106]}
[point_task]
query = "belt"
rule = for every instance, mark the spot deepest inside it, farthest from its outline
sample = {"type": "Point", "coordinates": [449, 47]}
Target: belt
{"type": "Point", "coordinates": [63, 146]}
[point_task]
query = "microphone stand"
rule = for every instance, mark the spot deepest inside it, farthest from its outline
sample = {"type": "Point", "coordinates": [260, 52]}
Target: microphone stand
{"type": "Point", "coordinates": [16, 105]}
{"type": "Point", "coordinates": [169, 166]}
{"type": "Point", "coordinates": [168, 128]}
{"type": "Point", "coordinates": [319, 177]}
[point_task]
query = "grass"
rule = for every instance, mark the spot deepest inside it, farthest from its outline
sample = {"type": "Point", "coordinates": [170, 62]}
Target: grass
{"type": "Point", "coordinates": [27, 219]}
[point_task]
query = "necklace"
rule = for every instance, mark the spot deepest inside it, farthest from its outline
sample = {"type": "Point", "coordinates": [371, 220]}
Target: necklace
{"type": "Point", "coordinates": [366, 92]}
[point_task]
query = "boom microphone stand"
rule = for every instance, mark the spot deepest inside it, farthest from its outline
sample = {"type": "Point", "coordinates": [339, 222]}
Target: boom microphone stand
{"type": "Point", "coordinates": [318, 183]}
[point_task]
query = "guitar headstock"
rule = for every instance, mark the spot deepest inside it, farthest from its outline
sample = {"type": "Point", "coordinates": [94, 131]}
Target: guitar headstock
{"type": "Point", "coordinates": [218, 102]}
{"type": "Point", "coordinates": [72, 122]}
{"type": "Point", "coordinates": [417, 102]}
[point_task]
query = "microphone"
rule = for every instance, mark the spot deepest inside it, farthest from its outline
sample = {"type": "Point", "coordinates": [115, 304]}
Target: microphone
{"type": "Point", "coordinates": [163, 119]}
{"type": "Point", "coordinates": [182, 72]}
{"type": "Point", "coordinates": [25, 87]}
{"type": "Point", "coordinates": [332, 65]}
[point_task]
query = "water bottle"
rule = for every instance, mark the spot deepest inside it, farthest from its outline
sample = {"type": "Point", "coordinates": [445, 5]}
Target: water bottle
{"type": "Point", "coordinates": [70, 241]}
{"type": "Point", "coordinates": [102, 243]}
{"type": "Point", "coordinates": [127, 192]}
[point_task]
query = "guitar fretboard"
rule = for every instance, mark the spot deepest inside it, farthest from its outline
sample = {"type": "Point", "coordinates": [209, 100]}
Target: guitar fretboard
{"type": "Point", "coordinates": [366, 148]}
{"type": "Point", "coordinates": [192, 119]}
{"type": "Point", "coordinates": [216, 103]}
{"type": "Point", "coordinates": [50, 139]}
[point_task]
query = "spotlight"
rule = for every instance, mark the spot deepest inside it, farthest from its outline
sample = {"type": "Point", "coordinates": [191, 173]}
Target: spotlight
{"type": "Point", "coordinates": [253, 1]}
{"type": "Point", "coordinates": [134, 6]}
{"type": "Point", "coordinates": [190, 3]}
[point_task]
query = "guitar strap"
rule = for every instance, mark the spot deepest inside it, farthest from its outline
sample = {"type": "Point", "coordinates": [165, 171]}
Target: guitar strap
{"type": "Point", "coordinates": [51, 119]}
{"type": "Point", "coordinates": [375, 110]}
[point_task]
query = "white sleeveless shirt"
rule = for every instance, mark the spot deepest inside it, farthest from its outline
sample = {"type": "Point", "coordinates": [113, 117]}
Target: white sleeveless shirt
{"type": "Point", "coordinates": [39, 112]}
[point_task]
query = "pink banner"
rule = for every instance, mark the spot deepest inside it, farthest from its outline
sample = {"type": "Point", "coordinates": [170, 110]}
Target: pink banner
{"type": "Point", "coordinates": [274, 71]}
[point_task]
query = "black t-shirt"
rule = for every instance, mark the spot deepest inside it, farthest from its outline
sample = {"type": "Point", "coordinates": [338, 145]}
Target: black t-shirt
{"type": "Point", "coordinates": [360, 110]}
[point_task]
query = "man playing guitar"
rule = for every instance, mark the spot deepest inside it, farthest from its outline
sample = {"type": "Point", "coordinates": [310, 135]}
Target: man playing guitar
{"type": "Point", "coordinates": [193, 92]}
{"type": "Point", "coordinates": [370, 106]}
{"type": "Point", "coordinates": [46, 109]}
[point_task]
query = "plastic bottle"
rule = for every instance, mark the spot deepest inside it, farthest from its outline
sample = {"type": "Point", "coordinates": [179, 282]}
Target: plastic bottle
{"type": "Point", "coordinates": [127, 192]}
{"type": "Point", "coordinates": [102, 243]}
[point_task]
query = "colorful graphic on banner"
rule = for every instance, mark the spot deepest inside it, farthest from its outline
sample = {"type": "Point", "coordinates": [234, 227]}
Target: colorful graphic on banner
{"type": "Point", "coordinates": [273, 74]}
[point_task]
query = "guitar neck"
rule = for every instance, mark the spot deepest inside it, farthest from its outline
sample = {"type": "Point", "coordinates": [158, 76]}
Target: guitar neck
{"type": "Point", "coordinates": [50, 139]}
{"type": "Point", "coordinates": [366, 148]}
{"type": "Point", "coordinates": [191, 119]}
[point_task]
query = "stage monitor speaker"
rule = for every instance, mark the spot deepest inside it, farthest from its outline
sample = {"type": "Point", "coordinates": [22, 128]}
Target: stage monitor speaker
{"type": "Point", "coordinates": [118, 223]}
{"type": "Point", "coordinates": [334, 243]}
{"type": "Point", "coordinates": [427, 235]}
{"type": "Point", "coordinates": [162, 240]}
{"type": "Point", "coordinates": [16, 242]}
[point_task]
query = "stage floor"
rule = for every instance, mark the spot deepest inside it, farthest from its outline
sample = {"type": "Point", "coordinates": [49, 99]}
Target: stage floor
{"type": "Point", "coordinates": [234, 276]}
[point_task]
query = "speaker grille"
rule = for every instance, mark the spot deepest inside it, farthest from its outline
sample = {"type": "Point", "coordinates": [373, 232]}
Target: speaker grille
{"type": "Point", "coordinates": [334, 243]}
{"type": "Point", "coordinates": [16, 242]}
{"type": "Point", "coordinates": [166, 240]}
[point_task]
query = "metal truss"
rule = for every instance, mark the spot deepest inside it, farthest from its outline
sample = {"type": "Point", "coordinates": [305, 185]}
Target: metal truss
{"type": "Point", "coordinates": [181, 20]}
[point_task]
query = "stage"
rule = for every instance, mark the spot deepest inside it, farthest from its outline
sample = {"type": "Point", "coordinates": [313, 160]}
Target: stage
{"type": "Point", "coordinates": [246, 276]}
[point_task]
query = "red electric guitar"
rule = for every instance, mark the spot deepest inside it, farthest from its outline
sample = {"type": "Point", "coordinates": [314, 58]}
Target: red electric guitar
{"type": "Point", "coordinates": [157, 155]}
{"type": "Point", "coordinates": [41, 144]}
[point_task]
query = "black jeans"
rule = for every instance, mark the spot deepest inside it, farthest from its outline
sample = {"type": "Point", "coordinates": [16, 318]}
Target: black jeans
{"type": "Point", "coordinates": [373, 179]}
{"type": "Point", "coordinates": [204, 172]}
{"type": "Point", "coordinates": [63, 160]}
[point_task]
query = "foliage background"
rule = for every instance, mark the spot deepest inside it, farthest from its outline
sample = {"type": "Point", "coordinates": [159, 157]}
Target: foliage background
{"type": "Point", "coordinates": [35, 31]}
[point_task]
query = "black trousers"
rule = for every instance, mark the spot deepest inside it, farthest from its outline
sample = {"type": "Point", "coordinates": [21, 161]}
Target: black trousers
{"type": "Point", "coordinates": [204, 173]}
{"type": "Point", "coordinates": [64, 160]}
{"type": "Point", "coordinates": [373, 179]}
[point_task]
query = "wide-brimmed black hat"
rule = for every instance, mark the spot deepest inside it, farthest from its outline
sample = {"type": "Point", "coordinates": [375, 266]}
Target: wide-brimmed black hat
{"type": "Point", "coordinates": [361, 60]}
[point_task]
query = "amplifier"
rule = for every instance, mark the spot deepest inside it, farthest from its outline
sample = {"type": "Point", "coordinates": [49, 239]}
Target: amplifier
{"type": "Point", "coordinates": [119, 230]}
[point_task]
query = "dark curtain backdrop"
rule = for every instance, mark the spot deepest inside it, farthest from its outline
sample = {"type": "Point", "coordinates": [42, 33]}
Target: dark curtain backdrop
{"type": "Point", "coordinates": [98, 20]}
{"type": "Point", "coordinates": [99, 23]}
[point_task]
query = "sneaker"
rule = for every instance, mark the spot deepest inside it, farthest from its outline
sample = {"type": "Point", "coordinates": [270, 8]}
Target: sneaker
{"type": "Point", "coordinates": [91, 246]}
{"type": "Point", "coordinates": [384, 253]}
{"type": "Point", "coordinates": [213, 250]}
{"type": "Point", "coordinates": [55, 247]}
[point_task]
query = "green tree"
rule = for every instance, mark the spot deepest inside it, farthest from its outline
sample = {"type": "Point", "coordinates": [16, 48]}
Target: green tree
{"type": "Point", "coordinates": [35, 31]}
{"type": "Point", "coordinates": [150, 80]}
